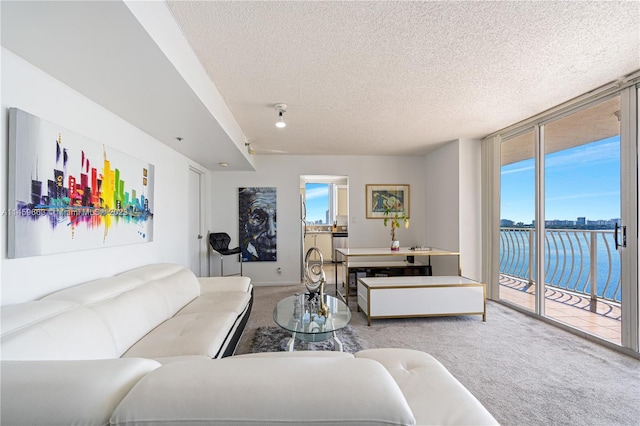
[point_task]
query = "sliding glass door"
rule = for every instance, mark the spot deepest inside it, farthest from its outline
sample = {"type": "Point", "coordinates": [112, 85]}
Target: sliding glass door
{"type": "Point", "coordinates": [568, 199]}
{"type": "Point", "coordinates": [582, 199]}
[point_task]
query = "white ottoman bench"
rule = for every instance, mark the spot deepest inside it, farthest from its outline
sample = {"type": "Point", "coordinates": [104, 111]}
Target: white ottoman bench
{"type": "Point", "coordinates": [420, 296]}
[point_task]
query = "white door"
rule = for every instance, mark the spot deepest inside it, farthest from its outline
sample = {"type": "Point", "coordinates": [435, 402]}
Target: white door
{"type": "Point", "coordinates": [196, 242]}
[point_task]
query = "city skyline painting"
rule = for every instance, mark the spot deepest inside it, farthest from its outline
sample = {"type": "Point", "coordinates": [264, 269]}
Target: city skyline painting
{"type": "Point", "coordinates": [68, 193]}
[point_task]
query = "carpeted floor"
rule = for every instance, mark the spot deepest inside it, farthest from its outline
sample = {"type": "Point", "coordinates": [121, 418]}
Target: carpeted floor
{"type": "Point", "coordinates": [526, 372]}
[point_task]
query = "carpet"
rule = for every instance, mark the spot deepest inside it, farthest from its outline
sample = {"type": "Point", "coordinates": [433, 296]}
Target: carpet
{"type": "Point", "coordinates": [524, 371]}
{"type": "Point", "coordinates": [275, 339]}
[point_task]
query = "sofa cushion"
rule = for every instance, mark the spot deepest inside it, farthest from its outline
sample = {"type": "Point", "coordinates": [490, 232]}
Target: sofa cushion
{"type": "Point", "coordinates": [177, 284]}
{"type": "Point", "coordinates": [55, 330]}
{"type": "Point", "coordinates": [218, 284]}
{"type": "Point", "coordinates": [132, 315]}
{"type": "Point", "coordinates": [136, 301]}
{"type": "Point", "coordinates": [266, 391]}
{"type": "Point", "coordinates": [95, 290]}
{"type": "Point", "coordinates": [189, 334]}
{"type": "Point", "coordinates": [129, 307]}
{"type": "Point", "coordinates": [434, 395]}
{"type": "Point", "coordinates": [67, 392]}
{"type": "Point", "coordinates": [234, 302]}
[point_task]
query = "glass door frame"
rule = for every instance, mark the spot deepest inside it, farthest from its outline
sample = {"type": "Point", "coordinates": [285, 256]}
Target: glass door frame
{"type": "Point", "coordinates": [630, 259]}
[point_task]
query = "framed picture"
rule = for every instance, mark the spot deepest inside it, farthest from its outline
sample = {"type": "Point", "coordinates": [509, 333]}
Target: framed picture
{"type": "Point", "coordinates": [69, 193]}
{"type": "Point", "coordinates": [257, 220]}
{"type": "Point", "coordinates": [395, 198]}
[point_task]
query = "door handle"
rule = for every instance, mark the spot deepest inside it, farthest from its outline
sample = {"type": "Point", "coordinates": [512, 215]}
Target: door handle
{"type": "Point", "coordinates": [623, 229]}
{"type": "Point", "coordinates": [199, 237]}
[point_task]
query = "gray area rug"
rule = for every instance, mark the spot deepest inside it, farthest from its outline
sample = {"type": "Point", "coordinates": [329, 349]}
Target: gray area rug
{"type": "Point", "coordinates": [275, 339]}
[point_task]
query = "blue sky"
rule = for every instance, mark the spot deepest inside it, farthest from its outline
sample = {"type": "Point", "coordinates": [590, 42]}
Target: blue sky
{"type": "Point", "coordinates": [317, 200]}
{"type": "Point", "coordinates": [581, 181]}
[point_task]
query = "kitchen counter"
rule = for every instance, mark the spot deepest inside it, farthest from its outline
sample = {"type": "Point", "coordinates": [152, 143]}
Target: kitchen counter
{"type": "Point", "coordinates": [325, 240]}
{"type": "Point", "coordinates": [325, 230]}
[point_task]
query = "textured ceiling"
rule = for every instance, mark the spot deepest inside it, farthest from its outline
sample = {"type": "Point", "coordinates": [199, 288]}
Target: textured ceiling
{"type": "Point", "coordinates": [402, 77]}
{"type": "Point", "coordinates": [377, 78]}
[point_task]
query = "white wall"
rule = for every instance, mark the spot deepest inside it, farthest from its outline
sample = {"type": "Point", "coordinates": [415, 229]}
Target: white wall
{"type": "Point", "coordinates": [283, 172]}
{"type": "Point", "coordinates": [442, 203]}
{"type": "Point", "coordinates": [453, 205]}
{"type": "Point", "coordinates": [470, 215]}
{"type": "Point", "coordinates": [30, 89]}
{"type": "Point", "coordinates": [434, 181]}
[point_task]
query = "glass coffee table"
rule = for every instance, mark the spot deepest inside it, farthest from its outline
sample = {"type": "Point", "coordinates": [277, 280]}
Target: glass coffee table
{"type": "Point", "coordinates": [308, 327]}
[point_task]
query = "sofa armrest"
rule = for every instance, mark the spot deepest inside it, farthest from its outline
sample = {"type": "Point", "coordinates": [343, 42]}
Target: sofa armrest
{"type": "Point", "coordinates": [216, 284]}
{"type": "Point", "coordinates": [67, 392]}
{"type": "Point", "coordinates": [434, 395]}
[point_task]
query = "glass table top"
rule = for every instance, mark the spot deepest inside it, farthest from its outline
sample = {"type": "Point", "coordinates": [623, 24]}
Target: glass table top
{"type": "Point", "coordinates": [307, 326]}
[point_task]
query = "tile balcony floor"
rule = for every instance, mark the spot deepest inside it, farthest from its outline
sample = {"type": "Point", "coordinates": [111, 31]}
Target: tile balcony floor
{"type": "Point", "coordinates": [569, 308]}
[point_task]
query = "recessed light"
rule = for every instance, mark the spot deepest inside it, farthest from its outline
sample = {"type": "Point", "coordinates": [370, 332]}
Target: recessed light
{"type": "Point", "coordinates": [223, 164]}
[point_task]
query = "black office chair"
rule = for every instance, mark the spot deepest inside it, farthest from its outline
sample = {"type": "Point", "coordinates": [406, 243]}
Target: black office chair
{"type": "Point", "coordinates": [219, 242]}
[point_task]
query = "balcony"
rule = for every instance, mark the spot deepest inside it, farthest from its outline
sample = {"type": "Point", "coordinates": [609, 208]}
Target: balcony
{"type": "Point", "coordinates": [582, 271]}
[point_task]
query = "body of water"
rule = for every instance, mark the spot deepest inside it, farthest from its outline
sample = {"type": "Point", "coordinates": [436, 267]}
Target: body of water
{"type": "Point", "coordinates": [567, 259]}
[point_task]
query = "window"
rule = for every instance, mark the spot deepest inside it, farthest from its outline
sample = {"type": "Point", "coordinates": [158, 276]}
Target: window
{"type": "Point", "coordinates": [318, 203]}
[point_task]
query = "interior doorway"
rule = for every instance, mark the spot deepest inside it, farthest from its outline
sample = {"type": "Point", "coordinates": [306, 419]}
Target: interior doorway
{"type": "Point", "coordinates": [196, 243]}
{"type": "Point", "coordinates": [324, 215]}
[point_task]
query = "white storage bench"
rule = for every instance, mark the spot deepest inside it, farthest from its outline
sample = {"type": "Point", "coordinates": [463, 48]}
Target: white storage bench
{"type": "Point", "coordinates": [420, 296]}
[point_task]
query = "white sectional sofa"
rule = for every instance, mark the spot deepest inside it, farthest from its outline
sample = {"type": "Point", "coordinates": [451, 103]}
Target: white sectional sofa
{"type": "Point", "coordinates": [156, 311]}
{"type": "Point", "coordinates": [150, 346]}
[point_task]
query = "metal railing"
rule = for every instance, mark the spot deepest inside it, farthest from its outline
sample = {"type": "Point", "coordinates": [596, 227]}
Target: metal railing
{"type": "Point", "coordinates": [577, 260]}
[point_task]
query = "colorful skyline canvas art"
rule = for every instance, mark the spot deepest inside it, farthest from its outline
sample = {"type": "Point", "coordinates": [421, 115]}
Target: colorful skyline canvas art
{"type": "Point", "coordinates": [68, 192]}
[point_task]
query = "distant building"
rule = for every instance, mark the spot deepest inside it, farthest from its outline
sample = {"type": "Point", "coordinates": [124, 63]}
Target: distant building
{"type": "Point", "coordinates": [559, 223]}
{"type": "Point", "coordinates": [580, 223]}
{"type": "Point", "coordinates": [505, 223]}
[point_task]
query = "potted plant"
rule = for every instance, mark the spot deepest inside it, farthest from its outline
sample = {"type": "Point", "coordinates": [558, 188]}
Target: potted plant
{"type": "Point", "coordinates": [395, 223]}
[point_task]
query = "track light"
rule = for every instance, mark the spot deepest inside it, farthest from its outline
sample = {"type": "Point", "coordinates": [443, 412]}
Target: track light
{"type": "Point", "coordinates": [281, 108]}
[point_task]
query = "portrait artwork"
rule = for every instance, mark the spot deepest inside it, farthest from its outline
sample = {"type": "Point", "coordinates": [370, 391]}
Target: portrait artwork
{"type": "Point", "coordinates": [257, 220]}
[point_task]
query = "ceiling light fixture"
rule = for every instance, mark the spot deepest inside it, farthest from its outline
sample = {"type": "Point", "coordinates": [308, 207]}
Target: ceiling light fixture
{"type": "Point", "coordinates": [281, 108]}
{"type": "Point", "coordinates": [250, 149]}
{"type": "Point", "coordinates": [223, 164]}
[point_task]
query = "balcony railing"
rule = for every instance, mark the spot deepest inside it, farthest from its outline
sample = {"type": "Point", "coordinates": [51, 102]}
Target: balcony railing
{"type": "Point", "coordinates": [580, 261]}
